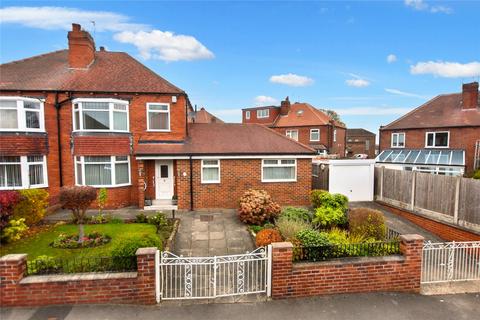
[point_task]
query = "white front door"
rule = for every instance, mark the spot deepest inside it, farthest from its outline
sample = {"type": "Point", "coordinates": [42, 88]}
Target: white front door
{"type": "Point", "coordinates": [164, 180]}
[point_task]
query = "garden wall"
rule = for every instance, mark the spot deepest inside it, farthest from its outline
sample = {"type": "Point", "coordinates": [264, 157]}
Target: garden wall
{"type": "Point", "coordinates": [87, 288]}
{"type": "Point", "coordinates": [347, 275]}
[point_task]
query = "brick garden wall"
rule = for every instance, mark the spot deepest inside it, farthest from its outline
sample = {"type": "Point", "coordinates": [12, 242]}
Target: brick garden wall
{"type": "Point", "coordinates": [347, 275]}
{"type": "Point", "coordinates": [119, 288]}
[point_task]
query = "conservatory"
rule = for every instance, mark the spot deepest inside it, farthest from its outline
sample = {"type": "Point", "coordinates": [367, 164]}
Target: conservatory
{"type": "Point", "coordinates": [446, 161]}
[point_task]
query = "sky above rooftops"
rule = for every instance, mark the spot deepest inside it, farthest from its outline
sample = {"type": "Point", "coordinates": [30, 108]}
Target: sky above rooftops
{"type": "Point", "coordinates": [369, 61]}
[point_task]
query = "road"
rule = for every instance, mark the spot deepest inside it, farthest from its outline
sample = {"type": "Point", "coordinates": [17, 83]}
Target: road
{"type": "Point", "coordinates": [354, 306]}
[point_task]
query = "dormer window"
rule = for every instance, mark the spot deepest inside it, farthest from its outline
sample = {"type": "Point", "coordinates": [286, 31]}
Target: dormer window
{"type": "Point", "coordinates": [100, 115]}
{"type": "Point", "coordinates": [21, 114]}
{"type": "Point", "coordinates": [263, 113]}
{"type": "Point", "coordinates": [299, 113]}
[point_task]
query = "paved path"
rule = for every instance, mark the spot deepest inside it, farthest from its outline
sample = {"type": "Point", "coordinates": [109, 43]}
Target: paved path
{"type": "Point", "coordinates": [210, 234]}
{"type": "Point", "coordinates": [354, 306]}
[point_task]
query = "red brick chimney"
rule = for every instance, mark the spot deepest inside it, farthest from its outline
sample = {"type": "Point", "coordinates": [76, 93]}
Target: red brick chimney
{"type": "Point", "coordinates": [81, 48]}
{"type": "Point", "coordinates": [285, 107]}
{"type": "Point", "coordinates": [470, 95]}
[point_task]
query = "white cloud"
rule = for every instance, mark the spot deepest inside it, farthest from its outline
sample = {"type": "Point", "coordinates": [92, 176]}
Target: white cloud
{"type": "Point", "coordinates": [292, 80]}
{"type": "Point", "coordinates": [265, 100]}
{"type": "Point", "coordinates": [391, 58]}
{"type": "Point", "coordinates": [447, 69]}
{"type": "Point", "coordinates": [357, 81]}
{"type": "Point", "coordinates": [405, 94]}
{"type": "Point", "coordinates": [416, 4]}
{"type": "Point", "coordinates": [371, 111]}
{"type": "Point", "coordinates": [52, 18]}
{"type": "Point", "coordinates": [166, 45]}
{"type": "Point", "coordinates": [421, 5]}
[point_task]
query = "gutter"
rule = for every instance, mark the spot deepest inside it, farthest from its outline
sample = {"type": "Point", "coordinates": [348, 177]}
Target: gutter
{"type": "Point", "coordinates": [58, 105]}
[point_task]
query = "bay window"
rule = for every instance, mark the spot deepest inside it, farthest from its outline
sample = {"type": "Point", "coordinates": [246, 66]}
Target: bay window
{"type": "Point", "coordinates": [21, 114]}
{"type": "Point", "coordinates": [437, 139]}
{"type": "Point", "coordinates": [279, 170]}
{"type": "Point", "coordinates": [100, 115]}
{"type": "Point", "coordinates": [210, 171]}
{"type": "Point", "coordinates": [23, 172]}
{"type": "Point", "coordinates": [102, 171]}
{"type": "Point", "coordinates": [158, 117]}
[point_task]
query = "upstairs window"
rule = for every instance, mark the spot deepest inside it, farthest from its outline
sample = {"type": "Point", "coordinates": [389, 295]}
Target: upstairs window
{"type": "Point", "coordinates": [100, 115]}
{"type": "Point", "coordinates": [21, 114]}
{"type": "Point", "coordinates": [210, 171]}
{"type": "Point", "coordinates": [247, 115]}
{"type": "Point", "coordinates": [314, 134]}
{"type": "Point", "coordinates": [398, 140]}
{"type": "Point", "coordinates": [23, 172]}
{"type": "Point", "coordinates": [437, 139]}
{"type": "Point", "coordinates": [158, 117]}
{"type": "Point", "coordinates": [279, 170]}
{"type": "Point", "coordinates": [292, 134]}
{"type": "Point", "coordinates": [335, 135]}
{"type": "Point", "coordinates": [263, 113]}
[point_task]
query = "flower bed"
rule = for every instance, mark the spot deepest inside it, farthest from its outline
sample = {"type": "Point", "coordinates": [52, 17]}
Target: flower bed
{"type": "Point", "coordinates": [94, 239]}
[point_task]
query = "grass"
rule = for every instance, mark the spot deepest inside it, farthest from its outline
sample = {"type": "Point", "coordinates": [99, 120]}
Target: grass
{"type": "Point", "coordinates": [39, 243]}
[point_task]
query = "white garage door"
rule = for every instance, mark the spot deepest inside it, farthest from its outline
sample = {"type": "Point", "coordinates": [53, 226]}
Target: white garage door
{"type": "Point", "coordinates": [353, 178]}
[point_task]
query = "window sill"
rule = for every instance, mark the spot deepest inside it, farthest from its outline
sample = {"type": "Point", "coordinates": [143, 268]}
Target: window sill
{"type": "Point", "coordinates": [102, 131]}
{"type": "Point", "coordinates": [210, 182]}
{"type": "Point", "coordinates": [273, 181]}
{"type": "Point", "coordinates": [25, 188]}
{"type": "Point", "coordinates": [106, 186]}
{"type": "Point", "coordinates": [153, 130]}
{"type": "Point", "coordinates": [23, 130]}
{"type": "Point", "coordinates": [432, 147]}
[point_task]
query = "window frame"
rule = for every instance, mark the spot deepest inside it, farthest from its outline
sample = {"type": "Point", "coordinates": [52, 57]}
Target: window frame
{"type": "Point", "coordinates": [334, 135]}
{"type": "Point", "coordinates": [289, 132]}
{"type": "Point", "coordinates": [279, 165]}
{"type": "Point", "coordinates": [247, 115]}
{"type": "Point", "coordinates": [158, 111]}
{"type": "Point", "coordinates": [398, 134]}
{"type": "Point", "coordinates": [203, 166]}
{"type": "Point", "coordinates": [112, 163]}
{"type": "Point", "coordinates": [21, 114]}
{"type": "Point", "coordinates": [435, 137]}
{"type": "Point", "coordinates": [111, 110]}
{"type": "Point", "coordinates": [314, 130]}
{"type": "Point", "coordinates": [267, 113]}
{"type": "Point", "coordinates": [25, 173]}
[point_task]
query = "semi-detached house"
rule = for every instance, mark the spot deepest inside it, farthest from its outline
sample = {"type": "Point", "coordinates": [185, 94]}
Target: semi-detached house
{"type": "Point", "coordinates": [86, 117]}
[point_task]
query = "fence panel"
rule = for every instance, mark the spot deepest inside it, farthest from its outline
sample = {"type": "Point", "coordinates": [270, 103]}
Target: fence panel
{"type": "Point", "coordinates": [377, 181]}
{"type": "Point", "coordinates": [469, 201]}
{"type": "Point", "coordinates": [397, 185]}
{"type": "Point", "coordinates": [435, 193]}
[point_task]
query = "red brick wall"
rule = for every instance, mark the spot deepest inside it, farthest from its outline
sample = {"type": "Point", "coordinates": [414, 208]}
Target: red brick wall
{"type": "Point", "coordinates": [373, 274]}
{"type": "Point", "coordinates": [356, 147]}
{"type": "Point", "coordinates": [460, 138]}
{"type": "Point", "coordinates": [127, 290]}
{"type": "Point", "coordinates": [273, 114]}
{"type": "Point", "coordinates": [237, 176]}
{"type": "Point", "coordinates": [443, 230]}
{"type": "Point", "coordinates": [94, 145]}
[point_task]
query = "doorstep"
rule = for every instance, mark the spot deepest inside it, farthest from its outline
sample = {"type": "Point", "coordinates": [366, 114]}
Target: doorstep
{"type": "Point", "coordinates": [160, 207]}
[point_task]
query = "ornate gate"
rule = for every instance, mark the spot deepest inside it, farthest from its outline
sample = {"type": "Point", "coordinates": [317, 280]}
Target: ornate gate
{"type": "Point", "coordinates": [211, 277]}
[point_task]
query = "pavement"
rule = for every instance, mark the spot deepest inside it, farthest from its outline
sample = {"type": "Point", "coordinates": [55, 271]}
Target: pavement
{"type": "Point", "coordinates": [373, 306]}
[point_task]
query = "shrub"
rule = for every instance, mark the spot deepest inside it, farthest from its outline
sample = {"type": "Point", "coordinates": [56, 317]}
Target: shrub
{"type": "Point", "coordinates": [321, 198]}
{"type": "Point", "coordinates": [255, 228]}
{"type": "Point", "coordinates": [141, 218]}
{"type": "Point", "coordinates": [337, 236]}
{"type": "Point", "coordinates": [32, 205]}
{"type": "Point", "coordinates": [326, 217]}
{"type": "Point", "coordinates": [267, 236]}
{"type": "Point", "coordinates": [312, 238]}
{"type": "Point", "coordinates": [316, 197]}
{"type": "Point", "coordinates": [367, 222]}
{"type": "Point", "coordinates": [43, 264]}
{"type": "Point", "coordinates": [78, 199]}
{"type": "Point", "coordinates": [159, 221]}
{"type": "Point", "coordinates": [127, 247]}
{"type": "Point", "coordinates": [100, 219]}
{"type": "Point", "coordinates": [257, 207]}
{"type": "Point", "coordinates": [476, 174]}
{"type": "Point", "coordinates": [93, 239]}
{"type": "Point", "coordinates": [102, 199]}
{"type": "Point", "coordinates": [295, 213]}
{"type": "Point", "coordinates": [14, 230]}
{"type": "Point", "coordinates": [8, 200]}
{"type": "Point", "coordinates": [289, 228]}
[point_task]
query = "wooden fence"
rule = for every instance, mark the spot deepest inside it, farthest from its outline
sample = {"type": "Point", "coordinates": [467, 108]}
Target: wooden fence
{"type": "Point", "coordinates": [451, 199]}
{"type": "Point", "coordinates": [319, 176]}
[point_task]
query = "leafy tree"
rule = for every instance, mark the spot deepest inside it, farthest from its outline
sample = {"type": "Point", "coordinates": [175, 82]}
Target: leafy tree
{"type": "Point", "coordinates": [78, 199]}
{"type": "Point", "coordinates": [102, 199]}
{"type": "Point", "coordinates": [332, 114]}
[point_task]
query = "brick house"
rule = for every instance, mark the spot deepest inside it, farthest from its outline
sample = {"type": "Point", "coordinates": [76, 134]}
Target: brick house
{"type": "Point", "coordinates": [203, 116]}
{"type": "Point", "coordinates": [441, 136]}
{"type": "Point", "coordinates": [360, 141]}
{"type": "Point", "coordinates": [301, 122]}
{"type": "Point", "coordinates": [86, 117]}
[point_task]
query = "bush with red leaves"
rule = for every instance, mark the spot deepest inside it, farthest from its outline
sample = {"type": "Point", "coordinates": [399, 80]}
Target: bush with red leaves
{"type": "Point", "coordinates": [8, 200]}
{"type": "Point", "coordinates": [257, 207]}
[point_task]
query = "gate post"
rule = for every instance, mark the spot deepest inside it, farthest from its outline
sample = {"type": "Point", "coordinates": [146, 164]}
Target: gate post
{"type": "Point", "coordinates": [158, 292]}
{"type": "Point", "coordinates": [269, 270]}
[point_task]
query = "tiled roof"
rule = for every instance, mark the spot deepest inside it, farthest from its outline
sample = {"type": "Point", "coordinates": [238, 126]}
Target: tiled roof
{"type": "Point", "coordinates": [359, 132]}
{"type": "Point", "coordinates": [228, 139]}
{"type": "Point", "coordinates": [110, 72]}
{"type": "Point", "coordinates": [442, 111]}
{"type": "Point", "coordinates": [304, 114]}
{"type": "Point", "coordinates": [203, 116]}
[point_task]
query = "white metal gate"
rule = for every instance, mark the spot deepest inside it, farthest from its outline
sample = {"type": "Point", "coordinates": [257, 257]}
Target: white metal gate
{"type": "Point", "coordinates": [450, 261]}
{"type": "Point", "coordinates": [211, 277]}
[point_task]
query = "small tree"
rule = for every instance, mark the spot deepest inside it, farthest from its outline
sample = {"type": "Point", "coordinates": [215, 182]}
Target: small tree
{"type": "Point", "coordinates": [102, 199]}
{"type": "Point", "coordinates": [8, 201]}
{"type": "Point", "coordinates": [78, 199]}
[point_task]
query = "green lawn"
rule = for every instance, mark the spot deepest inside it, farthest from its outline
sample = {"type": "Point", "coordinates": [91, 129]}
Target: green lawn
{"type": "Point", "coordinates": [39, 244]}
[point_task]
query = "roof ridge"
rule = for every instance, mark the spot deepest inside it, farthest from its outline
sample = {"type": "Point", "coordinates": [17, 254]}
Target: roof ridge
{"type": "Point", "coordinates": [283, 136]}
{"type": "Point", "coordinates": [33, 57]}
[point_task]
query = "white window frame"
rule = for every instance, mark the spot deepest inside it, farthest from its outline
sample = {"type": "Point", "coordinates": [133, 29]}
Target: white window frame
{"type": "Point", "coordinates": [247, 115]}
{"type": "Point", "coordinates": [21, 118]}
{"type": "Point", "coordinates": [334, 135]}
{"type": "Point", "coordinates": [435, 137]}
{"type": "Point", "coordinates": [111, 110]}
{"type": "Point", "coordinates": [25, 172]}
{"type": "Point", "coordinates": [279, 164]}
{"type": "Point", "coordinates": [112, 163]}
{"type": "Point", "coordinates": [290, 133]}
{"type": "Point", "coordinates": [263, 113]}
{"type": "Point", "coordinates": [210, 166]}
{"type": "Point", "coordinates": [397, 134]}
{"type": "Point", "coordinates": [158, 111]}
{"type": "Point", "coordinates": [314, 131]}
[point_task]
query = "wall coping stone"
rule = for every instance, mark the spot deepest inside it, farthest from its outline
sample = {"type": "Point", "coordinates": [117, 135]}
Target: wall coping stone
{"type": "Point", "coordinates": [78, 277]}
{"type": "Point", "coordinates": [146, 251]}
{"type": "Point", "coordinates": [13, 257]}
{"type": "Point", "coordinates": [411, 237]}
{"type": "Point", "coordinates": [350, 260]}
{"type": "Point", "coordinates": [282, 245]}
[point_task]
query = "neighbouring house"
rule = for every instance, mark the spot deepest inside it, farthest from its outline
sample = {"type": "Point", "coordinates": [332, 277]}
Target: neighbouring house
{"type": "Point", "coordinates": [441, 136]}
{"type": "Point", "coordinates": [86, 117]}
{"type": "Point", "coordinates": [301, 122]}
{"type": "Point", "coordinates": [202, 116]}
{"type": "Point", "coordinates": [360, 141]}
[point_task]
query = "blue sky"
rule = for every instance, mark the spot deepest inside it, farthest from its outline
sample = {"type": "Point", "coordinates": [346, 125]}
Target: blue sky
{"type": "Point", "coordinates": [369, 61]}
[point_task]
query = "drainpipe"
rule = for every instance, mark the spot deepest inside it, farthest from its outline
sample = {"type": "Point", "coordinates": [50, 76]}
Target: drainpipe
{"type": "Point", "coordinates": [191, 183]}
{"type": "Point", "coordinates": [58, 105]}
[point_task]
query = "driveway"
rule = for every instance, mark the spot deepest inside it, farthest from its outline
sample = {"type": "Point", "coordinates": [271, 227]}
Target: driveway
{"type": "Point", "coordinates": [203, 234]}
{"type": "Point", "coordinates": [355, 306]}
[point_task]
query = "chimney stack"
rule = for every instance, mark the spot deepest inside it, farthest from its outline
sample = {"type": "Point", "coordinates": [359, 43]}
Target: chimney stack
{"type": "Point", "coordinates": [81, 48]}
{"type": "Point", "coordinates": [470, 95]}
{"type": "Point", "coordinates": [285, 107]}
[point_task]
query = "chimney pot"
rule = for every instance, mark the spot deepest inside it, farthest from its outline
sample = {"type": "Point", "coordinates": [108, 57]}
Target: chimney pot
{"type": "Point", "coordinates": [102, 48]}
{"type": "Point", "coordinates": [76, 27]}
{"type": "Point", "coordinates": [470, 95]}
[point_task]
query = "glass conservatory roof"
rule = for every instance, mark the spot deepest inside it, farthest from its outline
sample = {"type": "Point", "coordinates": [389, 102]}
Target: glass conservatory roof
{"type": "Point", "coordinates": [444, 157]}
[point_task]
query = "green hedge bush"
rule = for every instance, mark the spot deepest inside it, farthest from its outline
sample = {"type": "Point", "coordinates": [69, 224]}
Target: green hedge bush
{"type": "Point", "coordinates": [295, 213]}
{"type": "Point", "coordinates": [368, 223]}
{"type": "Point", "coordinates": [32, 206]}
